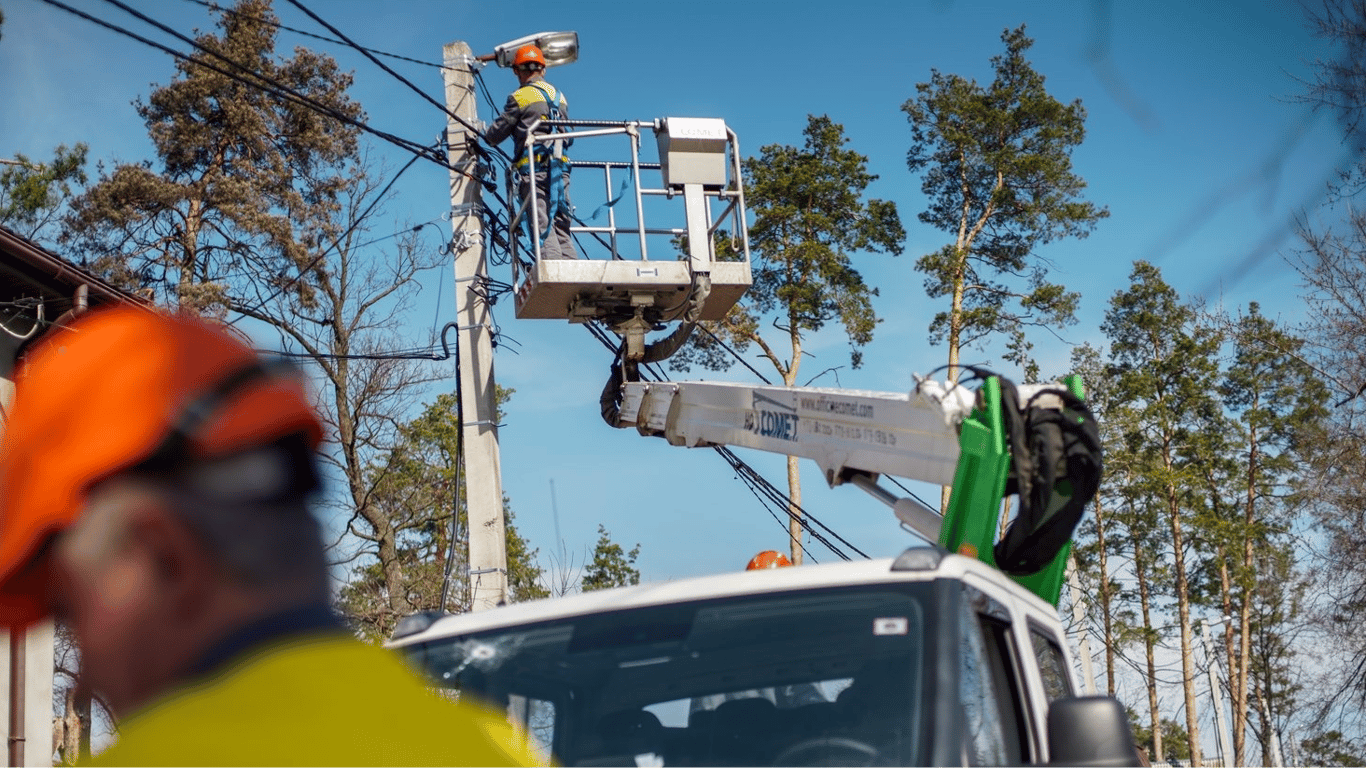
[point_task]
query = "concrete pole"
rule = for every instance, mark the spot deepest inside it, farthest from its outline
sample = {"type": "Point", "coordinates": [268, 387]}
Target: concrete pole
{"type": "Point", "coordinates": [1220, 727]}
{"type": "Point", "coordinates": [479, 432]}
{"type": "Point", "coordinates": [1079, 619]}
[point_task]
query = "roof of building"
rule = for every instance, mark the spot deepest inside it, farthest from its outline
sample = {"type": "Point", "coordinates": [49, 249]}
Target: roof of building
{"type": "Point", "coordinates": [29, 270]}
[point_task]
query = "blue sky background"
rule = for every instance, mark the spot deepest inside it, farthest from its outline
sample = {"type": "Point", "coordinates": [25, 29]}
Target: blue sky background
{"type": "Point", "coordinates": [1194, 143]}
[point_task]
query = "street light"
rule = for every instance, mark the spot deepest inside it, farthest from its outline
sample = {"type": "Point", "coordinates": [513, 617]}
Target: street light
{"type": "Point", "coordinates": [557, 47]}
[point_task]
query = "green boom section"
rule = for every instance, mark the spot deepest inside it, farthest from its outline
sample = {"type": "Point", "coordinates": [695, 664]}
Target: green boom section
{"type": "Point", "coordinates": [971, 522]}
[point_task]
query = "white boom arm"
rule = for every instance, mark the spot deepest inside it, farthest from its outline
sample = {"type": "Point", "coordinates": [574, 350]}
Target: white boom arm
{"type": "Point", "coordinates": [850, 434]}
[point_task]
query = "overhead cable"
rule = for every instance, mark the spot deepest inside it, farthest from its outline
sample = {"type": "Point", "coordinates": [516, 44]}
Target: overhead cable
{"type": "Point", "coordinates": [234, 12]}
{"type": "Point", "coordinates": [385, 67]}
{"type": "Point", "coordinates": [336, 244]}
{"type": "Point", "coordinates": [263, 83]}
{"type": "Point", "coordinates": [757, 484]}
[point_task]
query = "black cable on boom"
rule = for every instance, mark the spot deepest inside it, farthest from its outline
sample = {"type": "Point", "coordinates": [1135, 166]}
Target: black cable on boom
{"type": "Point", "coordinates": [757, 484]}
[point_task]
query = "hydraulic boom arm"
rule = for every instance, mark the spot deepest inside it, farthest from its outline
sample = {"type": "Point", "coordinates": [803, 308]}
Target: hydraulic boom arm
{"type": "Point", "coordinates": [942, 434]}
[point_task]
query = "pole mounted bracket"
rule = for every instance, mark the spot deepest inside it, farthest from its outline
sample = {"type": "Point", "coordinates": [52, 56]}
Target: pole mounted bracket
{"type": "Point", "coordinates": [465, 240]}
{"type": "Point", "coordinates": [633, 331]}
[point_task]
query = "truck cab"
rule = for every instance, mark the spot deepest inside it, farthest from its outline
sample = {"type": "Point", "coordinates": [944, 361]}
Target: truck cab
{"type": "Point", "coordinates": [930, 658]}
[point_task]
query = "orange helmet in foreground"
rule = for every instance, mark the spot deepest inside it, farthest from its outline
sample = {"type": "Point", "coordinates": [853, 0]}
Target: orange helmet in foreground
{"type": "Point", "coordinates": [769, 558]}
{"type": "Point", "coordinates": [119, 389]}
{"type": "Point", "coordinates": [528, 54]}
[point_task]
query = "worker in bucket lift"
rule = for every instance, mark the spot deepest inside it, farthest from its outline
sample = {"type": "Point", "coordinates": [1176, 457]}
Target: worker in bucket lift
{"type": "Point", "coordinates": [155, 479]}
{"type": "Point", "coordinates": [534, 101]}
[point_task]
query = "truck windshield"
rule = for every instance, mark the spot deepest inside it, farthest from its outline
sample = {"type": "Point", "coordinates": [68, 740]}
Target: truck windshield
{"type": "Point", "coordinates": [822, 677]}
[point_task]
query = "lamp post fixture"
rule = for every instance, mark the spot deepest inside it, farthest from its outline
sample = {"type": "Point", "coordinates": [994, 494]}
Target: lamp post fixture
{"type": "Point", "coordinates": [557, 48]}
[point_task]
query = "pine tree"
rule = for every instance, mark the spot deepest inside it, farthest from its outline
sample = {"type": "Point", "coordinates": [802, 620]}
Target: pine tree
{"type": "Point", "coordinates": [33, 195]}
{"type": "Point", "coordinates": [611, 565]}
{"type": "Point", "coordinates": [1096, 542]}
{"type": "Point", "coordinates": [247, 183]}
{"type": "Point", "coordinates": [1277, 400]}
{"type": "Point", "coordinates": [997, 169]}
{"type": "Point", "coordinates": [1165, 367]}
{"type": "Point", "coordinates": [414, 495]}
{"type": "Point", "coordinates": [811, 219]}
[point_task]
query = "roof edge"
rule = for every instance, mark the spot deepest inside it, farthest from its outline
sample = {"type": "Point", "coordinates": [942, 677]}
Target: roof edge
{"type": "Point", "coordinates": [62, 270]}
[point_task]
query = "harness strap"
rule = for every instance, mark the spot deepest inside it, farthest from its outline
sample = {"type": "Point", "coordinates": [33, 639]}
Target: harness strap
{"type": "Point", "coordinates": [557, 163]}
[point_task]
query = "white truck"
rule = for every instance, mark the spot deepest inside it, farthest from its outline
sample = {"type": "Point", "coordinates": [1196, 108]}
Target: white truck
{"type": "Point", "coordinates": [935, 657]}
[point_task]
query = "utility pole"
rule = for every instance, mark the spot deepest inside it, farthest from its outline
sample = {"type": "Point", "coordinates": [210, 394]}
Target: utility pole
{"type": "Point", "coordinates": [479, 428]}
{"type": "Point", "coordinates": [1225, 754]}
{"type": "Point", "coordinates": [1079, 619]}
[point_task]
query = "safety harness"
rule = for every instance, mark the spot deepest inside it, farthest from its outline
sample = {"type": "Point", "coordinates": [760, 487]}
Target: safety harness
{"type": "Point", "coordinates": [557, 165]}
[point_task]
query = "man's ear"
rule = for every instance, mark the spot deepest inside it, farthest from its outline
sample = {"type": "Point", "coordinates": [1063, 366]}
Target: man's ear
{"type": "Point", "coordinates": [182, 569]}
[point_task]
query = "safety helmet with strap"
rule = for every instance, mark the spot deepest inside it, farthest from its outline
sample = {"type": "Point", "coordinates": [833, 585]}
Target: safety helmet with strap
{"type": "Point", "coordinates": [129, 390]}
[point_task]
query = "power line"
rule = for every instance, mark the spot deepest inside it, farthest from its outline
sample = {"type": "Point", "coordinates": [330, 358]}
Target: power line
{"type": "Point", "coordinates": [752, 478]}
{"type": "Point", "coordinates": [383, 66]}
{"type": "Point", "coordinates": [404, 231]}
{"type": "Point", "coordinates": [234, 12]}
{"type": "Point", "coordinates": [336, 244]}
{"type": "Point", "coordinates": [909, 492]}
{"type": "Point", "coordinates": [756, 482]}
{"type": "Point", "coordinates": [733, 353]}
{"type": "Point", "coordinates": [264, 83]}
{"type": "Point", "coordinates": [278, 90]}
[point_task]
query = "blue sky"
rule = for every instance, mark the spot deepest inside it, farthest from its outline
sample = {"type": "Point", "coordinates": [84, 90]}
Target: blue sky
{"type": "Point", "coordinates": [1194, 143]}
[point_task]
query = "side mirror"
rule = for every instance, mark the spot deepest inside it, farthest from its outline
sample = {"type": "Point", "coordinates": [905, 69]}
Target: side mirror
{"type": "Point", "coordinates": [1090, 730]}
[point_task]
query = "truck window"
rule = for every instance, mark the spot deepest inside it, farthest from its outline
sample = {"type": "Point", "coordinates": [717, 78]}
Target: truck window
{"type": "Point", "coordinates": [1052, 666]}
{"type": "Point", "coordinates": [536, 717]}
{"type": "Point", "coordinates": [819, 677]}
{"type": "Point", "coordinates": [992, 696]}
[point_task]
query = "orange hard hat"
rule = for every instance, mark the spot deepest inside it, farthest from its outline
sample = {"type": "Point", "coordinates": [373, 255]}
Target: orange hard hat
{"type": "Point", "coordinates": [769, 558]}
{"type": "Point", "coordinates": [104, 395]}
{"type": "Point", "coordinates": [528, 54]}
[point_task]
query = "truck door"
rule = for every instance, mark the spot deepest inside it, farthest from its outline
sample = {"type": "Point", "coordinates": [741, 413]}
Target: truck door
{"type": "Point", "coordinates": [994, 699]}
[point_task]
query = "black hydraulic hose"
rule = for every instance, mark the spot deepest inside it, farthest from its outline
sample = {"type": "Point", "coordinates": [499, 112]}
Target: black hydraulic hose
{"type": "Point", "coordinates": [667, 346]}
{"type": "Point", "coordinates": [610, 401]}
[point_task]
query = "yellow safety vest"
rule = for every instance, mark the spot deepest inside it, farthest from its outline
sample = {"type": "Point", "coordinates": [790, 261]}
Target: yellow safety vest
{"type": "Point", "coordinates": [316, 700]}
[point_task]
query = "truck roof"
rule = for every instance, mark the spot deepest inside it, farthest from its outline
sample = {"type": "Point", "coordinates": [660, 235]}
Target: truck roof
{"type": "Point", "coordinates": [923, 563]}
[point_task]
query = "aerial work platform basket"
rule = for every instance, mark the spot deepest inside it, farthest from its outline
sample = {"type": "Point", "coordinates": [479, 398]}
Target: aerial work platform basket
{"type": "Point", "coordinates": [637, 275]}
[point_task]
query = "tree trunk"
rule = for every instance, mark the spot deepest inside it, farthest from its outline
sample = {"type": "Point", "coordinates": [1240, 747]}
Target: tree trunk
{"type": "Point", "coordinates": [794, 475]}
{"type": "Point", "coordinates": [1106, 601]}
{"type": "Point", "coordinates": [189, 253]}
{"type": "Point", "coordinates": [1249, 581]}
{"type": "Point", "coordinates": [1145, 607]}
{"type": "Point", "coordinates": [1183, 611]}
{"type": "Point", "coordinates": [1235, 666]}
{"type": "Point", "coordinates": [84, 709]}
{"type": "Point", "coordinates": [794, 525]}
{"type": "Point", "coordinates": [69, 728]}
{"type": "Point", "coordinates": [955, 332]}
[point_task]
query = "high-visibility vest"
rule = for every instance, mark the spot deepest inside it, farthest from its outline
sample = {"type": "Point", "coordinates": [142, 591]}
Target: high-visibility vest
{"type": "Point", "coordinates": [321, 699]}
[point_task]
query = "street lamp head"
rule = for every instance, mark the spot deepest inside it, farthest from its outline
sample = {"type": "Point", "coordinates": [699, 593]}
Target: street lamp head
{"type": "Point", "coordinates": [557, 48]}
